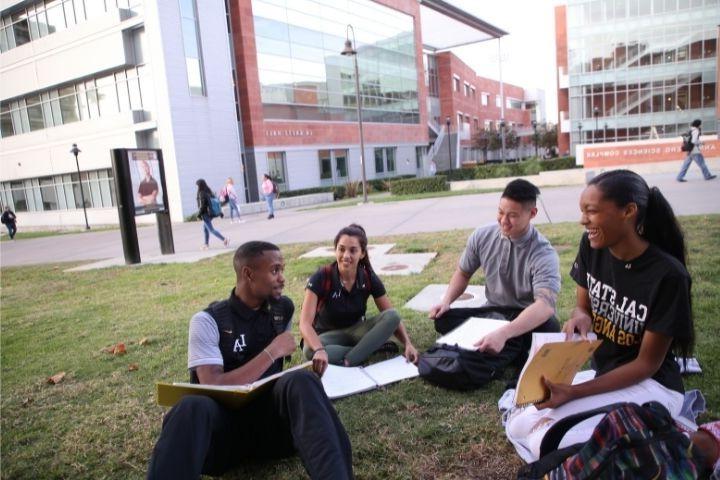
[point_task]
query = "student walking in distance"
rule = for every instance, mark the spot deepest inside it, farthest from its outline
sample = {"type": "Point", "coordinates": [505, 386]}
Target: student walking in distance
{"type": "Point", "coordinates": [522, 279]}
{"type": "Point", "coordinates": [233, 200]}
{"type": "Point", "coordinates": [268, 189]}
{"type": "Point", "coordinates": [695, 154]}
{"type": "Point", "coordinates": [332, 320]}
{"type": "Point", "coordinates": [204, 197]}
{"type": "Point", "coordinates": [240, 340]}
{"type": "Point", "coordinates": [633, 291]}
{"type": "Point", "coordinates": [9, 219]}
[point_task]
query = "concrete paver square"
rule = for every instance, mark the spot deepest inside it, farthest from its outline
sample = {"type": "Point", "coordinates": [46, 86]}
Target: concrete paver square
{"type": "Point", "coordinates": [401, 263]}
{"type": "Point", "coordinates": [183, 257]}
{"type": "Point", "coordinates": [473, 297]}
{"type": "Point", "coordinates": [373, 250]}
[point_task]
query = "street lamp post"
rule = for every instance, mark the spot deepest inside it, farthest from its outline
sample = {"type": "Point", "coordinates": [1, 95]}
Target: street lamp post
{"type": "Point", "coordinates": [535, 139]}
{"type": "Point", "coordinates": [579, 132]}
{"type": "Point", "coordinates": [596, 113]}
{"type": "Point", "coordinates": [502, 139]}
{"type": "Point", "coordinates": [447, 123]}
{"type": "Point", "coordinates": [75, 150]}
{"type": "Point", "coordinates": [350, 50]}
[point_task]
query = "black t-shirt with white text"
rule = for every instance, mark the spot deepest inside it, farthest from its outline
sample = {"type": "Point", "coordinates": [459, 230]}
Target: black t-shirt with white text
{"type": "Point", "coordinates": [650, 292]}
{"type": "Point", "coordinates": [338, 307]}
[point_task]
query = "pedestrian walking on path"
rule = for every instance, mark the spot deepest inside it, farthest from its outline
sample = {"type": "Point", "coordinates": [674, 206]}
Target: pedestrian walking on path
{"type": "Point", "coordinates": [233, 200]}
{"type": "Point", "coordinates": [206, 213]}
{"type": "Point", "coordinates": [9, 219]}
{"type": "Point", "coordinates": [695, 154]}
{"type": "Point", "coordinates": [269, 189]}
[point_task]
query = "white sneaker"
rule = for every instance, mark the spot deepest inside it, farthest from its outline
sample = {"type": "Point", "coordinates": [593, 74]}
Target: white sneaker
{"type": "Point", "coordinates": [240, 221]}
{"type": "Point", "coordinates": [204, 247]}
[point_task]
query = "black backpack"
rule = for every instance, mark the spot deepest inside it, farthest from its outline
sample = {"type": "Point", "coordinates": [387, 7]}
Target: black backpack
{"type": "Point", "coordinates": [630, 442]}
{"type": "Point", "coordinates": [687, 143]}
{"type": "Point", "coordinates": [450, 366]}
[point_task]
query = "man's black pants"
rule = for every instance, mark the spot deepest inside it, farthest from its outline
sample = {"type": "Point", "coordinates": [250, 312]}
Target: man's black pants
{"type": "Point", "coordinates": [201, 436]}
{"type": "Point", "coordinates": [515, 350]}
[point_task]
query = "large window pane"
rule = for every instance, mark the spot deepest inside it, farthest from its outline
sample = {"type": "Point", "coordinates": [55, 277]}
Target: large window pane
{"type": "Point", "coordinates": [325, 165]}
{"type": "Point", "coordinates": [379, 160]}
{"type": "Point", "coordinates": [69, 105]}
{"type": "Point", "coordinates": [341, 163]}
{"type": "Point", "coordinates": [35, 113]}
{"type": "Point", "coordinates": [390, 159]}
{"type": "Point", "coordinates": [48, 194]}
{"type": "Point", "coordinates": [18, 196]}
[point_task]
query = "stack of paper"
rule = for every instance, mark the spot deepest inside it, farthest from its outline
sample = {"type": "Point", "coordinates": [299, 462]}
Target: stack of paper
{"type": "Point", "coordinates": [471, 332]}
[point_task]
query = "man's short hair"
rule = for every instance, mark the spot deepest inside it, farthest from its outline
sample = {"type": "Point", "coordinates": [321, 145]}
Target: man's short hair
{"type": "Point", "coordinates": [521, 191]}
{"type": "Point", "coordinates": [248, 252]}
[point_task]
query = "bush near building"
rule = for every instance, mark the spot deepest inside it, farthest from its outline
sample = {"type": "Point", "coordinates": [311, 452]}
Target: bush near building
{"type": "Point", "coordinates": [532, 166]}
{"type": "Point", "coordinates": [413, 186]}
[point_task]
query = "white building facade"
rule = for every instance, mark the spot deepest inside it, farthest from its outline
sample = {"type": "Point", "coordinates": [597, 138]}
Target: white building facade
{"type": "Point", "coordinates": [110, 74]}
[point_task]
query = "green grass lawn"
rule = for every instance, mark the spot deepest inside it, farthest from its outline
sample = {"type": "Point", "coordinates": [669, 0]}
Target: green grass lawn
{"type": "Point", "coordinates": [102, 421]}
{"type": "Point", "coordinates": [24, 235]}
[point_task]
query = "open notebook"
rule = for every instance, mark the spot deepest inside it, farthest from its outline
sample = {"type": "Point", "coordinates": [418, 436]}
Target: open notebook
{"type": "Point", "coordinates": [470, 332]}
{"type": "Point", "coordinates": [344, 381]}
{"type": "Point", "coordinates": [555, 359]}
{"type": "Point", "coordinates": [168, 394]}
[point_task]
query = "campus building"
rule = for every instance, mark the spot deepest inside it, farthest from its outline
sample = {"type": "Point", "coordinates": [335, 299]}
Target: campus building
{"type": "Point", "coordinates": [111, 74]}
{"type": "Point", "coordinates": [235, 88]}
{"type": "Point", "coordinates": [635, 69]}
{"type": "Point", "coordinates": [472, 103]}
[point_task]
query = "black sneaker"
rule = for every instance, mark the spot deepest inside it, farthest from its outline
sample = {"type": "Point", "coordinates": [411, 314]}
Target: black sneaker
{"type": "Point", "coordinates": [711, 177]}
{"type": "Point", "coordinates": [388, 347]}
{"type": "Point", "coordinates": [271, 217]}
{"type": "Point", "coordinates": [682, 180]}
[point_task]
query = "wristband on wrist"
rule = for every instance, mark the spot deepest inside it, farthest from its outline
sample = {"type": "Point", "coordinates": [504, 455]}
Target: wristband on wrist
{"type": "Point", "coordinates": [321, 349]}
{"type": "Point", "coordinates": [272, 360]}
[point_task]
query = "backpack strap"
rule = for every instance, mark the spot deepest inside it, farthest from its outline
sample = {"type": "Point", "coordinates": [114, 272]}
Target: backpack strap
{"type": "Point", "coordinates": [555, 434]}
{"type": "Point", "coordinates": [325, 289]}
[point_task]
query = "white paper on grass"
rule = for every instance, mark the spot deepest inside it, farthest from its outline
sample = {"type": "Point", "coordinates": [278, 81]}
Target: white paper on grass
{"type": "Point", "coordinates": [470, 332]}
{"type": "Point", "coordinates": [341, 382]}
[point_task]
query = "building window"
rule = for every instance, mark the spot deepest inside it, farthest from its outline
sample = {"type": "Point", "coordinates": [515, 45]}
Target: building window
{"type": "Point", "coordinates": [484, 99]}
{"type": "Point", "coordinates": [498, 101]}
{"type": "Point", "coordinates": [419, 155]}
{"type": "Point", "coordinates": [466, 89]}
{"type": "Point", "coordinates": [193, 47]}
{"type": "Point", "coordinates": [432, 75]}
{"type": "Point", "coordinates": [333, 166]}
{"type": "Point", "coordinates": [60, 192]}
{"type": "Point", "coordinates": [303, 77]}
{"type": "Point", "coordinates": [385, 160]}
{"type": "Point", "coordinates": [97, 97]}
{"type": "Point", "coordinates": [456, 83]}
{"type": "Point", "coordinates": [472, 92]}
{"type": "Point", "coordinates": [513, 103]}
{"type": "Point", "coordinates": [277, 169]}
{"type": "Point", "coordinates": [476, 124]}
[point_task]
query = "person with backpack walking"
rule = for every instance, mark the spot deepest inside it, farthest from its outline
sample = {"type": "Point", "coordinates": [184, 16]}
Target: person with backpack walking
{"type": "Point", "coordinates": [208, 207]}
{"type": "Point", "coordinates": [239, 340]}
{"type": "Point", "coordinates": [633, 292]}
{"type": "Point", "coordinates": [232, 198]}
{"type": "Point", "coordinates": [270, 190]}
{"type": "Point", "coordinates": [9, 219]}
{"type": "Point", "coordinates": [695, 154]}
{"type": "Point", "coordinates": [333, 321]}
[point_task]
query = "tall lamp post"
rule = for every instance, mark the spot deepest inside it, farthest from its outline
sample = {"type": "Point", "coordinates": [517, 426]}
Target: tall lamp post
{"type": "Point", "coordinates": [596, 114]}
{"type": "Point", "coordinates": [447, 123]}
{"type": "Point", "coordinates": [350, 51]}
{"type": "Point", "coordinates": [75, 150]}
{"type": "Point", "coordinates": [502, 139]}
{"type": "Point", "coordinates": [579, 132]}
{"type": "Point", "coordinates": [535, 139]}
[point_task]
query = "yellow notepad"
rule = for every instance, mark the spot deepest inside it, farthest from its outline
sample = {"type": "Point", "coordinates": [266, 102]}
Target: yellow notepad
{"type": "Point", "coordinates": [557, 361]}
{"type": "Point", "coordinates": [233, 396]}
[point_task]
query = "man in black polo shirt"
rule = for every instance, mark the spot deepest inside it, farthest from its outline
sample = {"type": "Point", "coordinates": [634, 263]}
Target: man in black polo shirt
{"type": "Point", "coordinates": [237, 341]}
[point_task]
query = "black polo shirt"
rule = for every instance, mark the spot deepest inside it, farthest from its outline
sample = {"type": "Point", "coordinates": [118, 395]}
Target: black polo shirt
{"type": "Point", "coordinates": [244, 332]}
{"type": "Point", "coordinates": [338, 307]}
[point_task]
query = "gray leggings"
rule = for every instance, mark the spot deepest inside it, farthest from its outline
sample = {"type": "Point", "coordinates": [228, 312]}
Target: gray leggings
{"type": "Point", "coordinates": [355, 344]}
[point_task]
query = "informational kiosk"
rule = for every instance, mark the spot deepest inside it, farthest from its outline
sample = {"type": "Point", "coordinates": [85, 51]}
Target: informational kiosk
{"type": "Point", "coordinates": [140, 187]}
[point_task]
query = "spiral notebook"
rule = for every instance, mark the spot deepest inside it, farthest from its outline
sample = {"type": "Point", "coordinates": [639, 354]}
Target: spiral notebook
{"type": "Point", "coordinates": [345, 381]}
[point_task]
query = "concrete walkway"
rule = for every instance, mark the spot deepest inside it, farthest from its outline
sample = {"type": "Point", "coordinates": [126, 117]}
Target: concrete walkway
{"type": "Point", "coordinates": [320, 225]}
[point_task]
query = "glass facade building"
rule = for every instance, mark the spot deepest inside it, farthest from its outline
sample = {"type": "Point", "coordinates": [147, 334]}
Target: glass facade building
{"type": "Point", "coordinates": [304, 77]}
{"type": "Point", "coordinates": [640, 69]}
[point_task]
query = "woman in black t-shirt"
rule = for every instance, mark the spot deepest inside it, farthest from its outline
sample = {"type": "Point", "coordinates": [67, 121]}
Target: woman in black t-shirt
{"type": "Point", "coordinates": [633, 292]}
{"type": "Point", "coordinates": [332, 320]}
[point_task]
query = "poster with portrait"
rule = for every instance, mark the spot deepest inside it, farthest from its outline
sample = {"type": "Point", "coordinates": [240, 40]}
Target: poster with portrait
{"type": "Point", "coordinates": [147, 181]}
